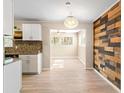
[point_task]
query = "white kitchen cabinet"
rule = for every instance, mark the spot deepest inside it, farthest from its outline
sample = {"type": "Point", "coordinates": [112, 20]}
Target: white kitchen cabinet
{"type": "Point", "coordinates": [8, 17]}
{"type": "Point", "coordinates": [27, 35]}
{"type": "Point", "coordinates": [13, 77]}
{"type": "Point", "coordinates": [36, 32]}
{"type": "Point", "coordinates": [32, 32]}
{"type": "Point", "coordinates": [31, 63]}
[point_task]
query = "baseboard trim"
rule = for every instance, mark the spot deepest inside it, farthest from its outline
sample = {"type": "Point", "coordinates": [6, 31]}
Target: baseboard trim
{"type": "Point", "coordinates": [88, 68]}
{"type": "Point", "coordinates": [116, 88]}
{"type": "Point", "coordinates": [82, 61]}
{"type": "Point", "coordinates": [45, 69]}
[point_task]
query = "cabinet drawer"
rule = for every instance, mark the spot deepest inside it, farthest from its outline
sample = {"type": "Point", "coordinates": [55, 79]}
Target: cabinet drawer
{"type": "Point", "coordinates": [28, 57]}
{"type": "Point", "coordinates": [24, 56]}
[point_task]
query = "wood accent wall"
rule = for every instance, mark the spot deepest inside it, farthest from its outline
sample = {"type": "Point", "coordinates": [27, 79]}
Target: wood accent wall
{"type": "Point", "coordinates": [107, 42]}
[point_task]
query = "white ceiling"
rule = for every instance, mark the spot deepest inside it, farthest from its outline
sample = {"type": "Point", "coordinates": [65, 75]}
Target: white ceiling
{"type": "Point", "coordinates": [55, 10]}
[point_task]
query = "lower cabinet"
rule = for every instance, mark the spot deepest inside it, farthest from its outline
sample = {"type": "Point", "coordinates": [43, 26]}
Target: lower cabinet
{"type": "Point", "coordinates": [12, 77]}
{"type": "Point", "coordinates": [31, 64]}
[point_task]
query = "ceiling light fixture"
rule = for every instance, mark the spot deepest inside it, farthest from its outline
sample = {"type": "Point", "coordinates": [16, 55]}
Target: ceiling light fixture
{"type": "Point", "coordinates": [70, 21]}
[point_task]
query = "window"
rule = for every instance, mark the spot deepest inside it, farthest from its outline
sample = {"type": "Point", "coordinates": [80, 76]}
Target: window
{"type": "Point", "coordinates": [62, 40]}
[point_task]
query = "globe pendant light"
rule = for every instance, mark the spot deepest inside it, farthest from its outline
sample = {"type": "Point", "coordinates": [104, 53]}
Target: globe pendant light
{"type": "Point", "coordinates": [70, 21]}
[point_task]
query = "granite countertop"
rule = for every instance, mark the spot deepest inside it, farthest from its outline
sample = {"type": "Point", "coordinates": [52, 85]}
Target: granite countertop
{"type": "Point", "coordinates": [11, 53]}
{"type": "Point", "coordinates": [24, 53]}
{"type": "Point", "coordinates": [10, 60]}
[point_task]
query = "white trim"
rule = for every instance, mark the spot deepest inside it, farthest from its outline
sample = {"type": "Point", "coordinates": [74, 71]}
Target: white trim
{"type": "Point", "coordinates": [106, 10]}
{"type": "Point", "coordinates": [45, 69]}
{"type": "Point", "coordinates": [28, 21]}
{"type": "Point", "coordinates": [81, 60]}
{"type": "Point", "coordinates": [66, 57]}
{"type": "Point", "coordinates": [110, 83]}
{"type": "Point", "coordinates": [89, 68]}
{"type": "Point", "coordinates": [44, 21]}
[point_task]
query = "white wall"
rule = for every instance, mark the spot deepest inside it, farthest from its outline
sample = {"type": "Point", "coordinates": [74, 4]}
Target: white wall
{"type": "Point", "coordinates": [89, 45]}
{"type": "Point", "coordinates": [46, 26]}
{"type": "Point", "coordinates": [46, 47]}
{"type": "Point", "coordinates": [64, 51]}
{"type": "Point", "coordinates": [82, 46]}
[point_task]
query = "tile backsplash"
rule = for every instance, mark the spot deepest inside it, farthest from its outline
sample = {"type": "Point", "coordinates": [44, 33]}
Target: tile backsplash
{"type": "Point", "coordinates": [24, 47]}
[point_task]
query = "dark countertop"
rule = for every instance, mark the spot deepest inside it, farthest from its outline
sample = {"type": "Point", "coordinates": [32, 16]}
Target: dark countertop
{"type": "Point", "coordinates": [11, 53]}
{"type": "Point", "coordinates": [24, 53]}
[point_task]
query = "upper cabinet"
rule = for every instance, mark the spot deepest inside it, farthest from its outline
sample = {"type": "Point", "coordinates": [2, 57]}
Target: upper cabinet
{"type": "Point", "coordinates": [32, 32]}
{"type": "Point", "coordinates": [8, 17]}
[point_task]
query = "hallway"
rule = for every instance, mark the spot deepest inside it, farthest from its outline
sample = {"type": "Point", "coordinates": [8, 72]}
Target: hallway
{"type": "Point", "coordinates": [66, 76]}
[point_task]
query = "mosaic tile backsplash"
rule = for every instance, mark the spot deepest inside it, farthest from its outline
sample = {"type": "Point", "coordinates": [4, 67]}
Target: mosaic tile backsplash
{"type": "Point", "coordinates": [107, 42]}
{"type": "Point", "coordinates": [24, 47]}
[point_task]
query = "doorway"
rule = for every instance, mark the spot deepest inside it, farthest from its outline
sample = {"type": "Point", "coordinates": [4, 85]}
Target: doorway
{"type": "Point", "coordinates": [67, 46]}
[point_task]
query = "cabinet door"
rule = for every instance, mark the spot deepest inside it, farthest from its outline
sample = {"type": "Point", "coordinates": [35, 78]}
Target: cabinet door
{"type": "Point", "coordinates": [29, 63]}
{"type": "Point", "coordinates": [33, 64]}
{"type": "Point", "coordinates": [36, 31]}
{"type": "Point", "coordinates": [27, 32]}
{"type": "Point", "coordinates": [8, 17]}
{"type": "Point", "coordinates": [12, 80]}
{"type": "Point", "coordinates": [25, 66]}
{"type": "Point", "coordinates": [25, 63]}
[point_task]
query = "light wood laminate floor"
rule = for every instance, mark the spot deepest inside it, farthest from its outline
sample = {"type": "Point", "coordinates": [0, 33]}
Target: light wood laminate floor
{"type": "Point", "coordinates": [66, 76]}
